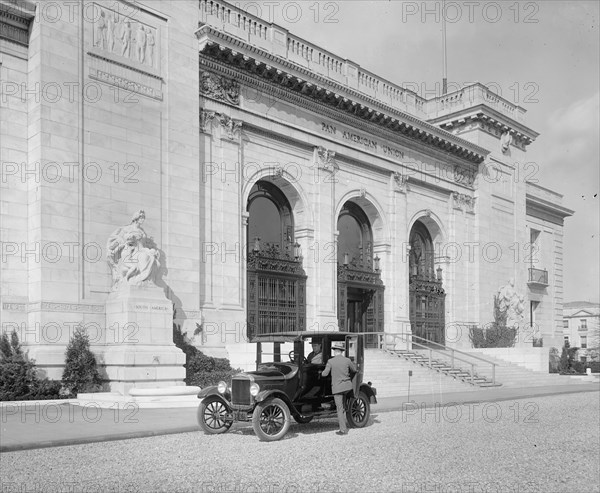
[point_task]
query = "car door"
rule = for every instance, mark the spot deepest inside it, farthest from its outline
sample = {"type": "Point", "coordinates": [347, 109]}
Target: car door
{"type": "Point", "coordinates": [355, 351]}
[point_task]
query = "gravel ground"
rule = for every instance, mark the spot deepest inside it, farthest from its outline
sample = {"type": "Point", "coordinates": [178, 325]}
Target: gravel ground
{"type": "Point", "coordinates": [548, 444]}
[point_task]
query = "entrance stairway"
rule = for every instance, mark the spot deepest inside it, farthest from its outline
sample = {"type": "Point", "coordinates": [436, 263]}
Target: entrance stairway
{"type": "Point", "coordinates": [389, 373]}
{"type": "Point", "coordinates": [515, 376]}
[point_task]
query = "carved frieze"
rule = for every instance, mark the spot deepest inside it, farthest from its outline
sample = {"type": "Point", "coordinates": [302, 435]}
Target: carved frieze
{"type": "Point", "coordinates": [464, 176]}
{"type": "Point", "coordinates": [326, 159]}
{"type": "Point", "coordinates": [126, 37]}
{"type": "Point", "coordinates": [220, 88]}
{"type": "Point", "coordinates": [463, 202]}
{"type": "Point", "coordinates": [231, 126]}
{"type": "Point", "coordinates": [400, 182]}
{"type": "Point", "coordinates": [206, 119]}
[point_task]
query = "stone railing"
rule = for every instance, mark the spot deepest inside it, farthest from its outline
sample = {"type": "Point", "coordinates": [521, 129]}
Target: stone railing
{"type": "Point", "coordinates": [278, 41]}
{"type": "Point", "coordinates": [469, 96]}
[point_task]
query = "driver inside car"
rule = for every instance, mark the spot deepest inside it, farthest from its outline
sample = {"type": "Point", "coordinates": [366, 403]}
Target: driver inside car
{"type": "Point", "coordinates": [316, 355]}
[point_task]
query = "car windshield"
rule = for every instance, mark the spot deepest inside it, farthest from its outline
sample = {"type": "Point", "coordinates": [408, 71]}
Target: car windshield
{"type": "Point", "coordinates": [279, 367]}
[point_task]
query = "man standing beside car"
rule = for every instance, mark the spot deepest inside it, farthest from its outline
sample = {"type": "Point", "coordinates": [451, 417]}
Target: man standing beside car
{"type": "Point", "coordinates": [340, 368]}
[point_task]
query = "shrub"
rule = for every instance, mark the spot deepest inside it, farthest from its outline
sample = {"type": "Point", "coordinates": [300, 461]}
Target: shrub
{"type": "Point", "coordinates": [19, 380]}
{"type": "Point", "coordinates": [81, 370]}
{"type": "Point", "coordinates": [200, 369]}
{"type": "Point", "coordinates": [492, 337]}
{"type": "Point", "coordinates": [594, 365]}
{"type": "Point", "coordinates": [578, 367]}
{"type": "Point", "coordinates": [497, 334]}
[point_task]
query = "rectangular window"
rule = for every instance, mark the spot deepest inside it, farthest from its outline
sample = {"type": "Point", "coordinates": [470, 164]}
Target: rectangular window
{"type": "Point", "coordinates": [534, 246]}
{"type": "Point", "coordinates": [565, 323]}
{"type": "Point", "coordinates": [583, 342]}
{"type": "Point", "coordinates": [583, 323]}
{"type": "Point", "coordinates": [566, 339]}
{"type": "Point", "coordinates": [533, 305]}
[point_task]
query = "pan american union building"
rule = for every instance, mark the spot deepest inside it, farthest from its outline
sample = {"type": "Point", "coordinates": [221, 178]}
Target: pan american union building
{"type": "Point", "coordinates": [284, 187]}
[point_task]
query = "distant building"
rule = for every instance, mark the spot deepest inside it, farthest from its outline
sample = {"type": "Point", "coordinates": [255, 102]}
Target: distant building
{"type": "Point", "coordinates": [581, 328]}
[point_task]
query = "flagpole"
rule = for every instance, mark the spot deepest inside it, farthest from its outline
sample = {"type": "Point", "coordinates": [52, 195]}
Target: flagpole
{"type": "Point", "coordinates": [445, 79]}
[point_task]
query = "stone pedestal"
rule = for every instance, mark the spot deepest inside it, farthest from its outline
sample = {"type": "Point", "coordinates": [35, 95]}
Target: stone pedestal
{"type": "Point", "coordinates": [139, 350]}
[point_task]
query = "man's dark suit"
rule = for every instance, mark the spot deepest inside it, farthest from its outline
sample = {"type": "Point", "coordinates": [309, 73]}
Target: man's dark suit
{"type": "Point", "coordinates": [341, 382]}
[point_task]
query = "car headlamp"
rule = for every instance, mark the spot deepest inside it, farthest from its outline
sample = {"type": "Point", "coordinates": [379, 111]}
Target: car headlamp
{"type": "Point", "coordinates": [254, 389]}
{"type": "Point", "coordinates": [222, 387]}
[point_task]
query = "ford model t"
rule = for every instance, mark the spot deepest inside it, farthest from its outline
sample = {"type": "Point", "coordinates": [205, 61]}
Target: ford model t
{"type": "Point", "coordinates": [287, 385]}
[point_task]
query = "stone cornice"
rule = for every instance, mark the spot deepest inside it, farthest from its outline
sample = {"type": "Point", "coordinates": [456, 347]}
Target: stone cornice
{"type": "Point", "coordinates": [334, 114]}
{"type": "Point", "coordinates": [544, 209]}
{"type": "Point", "coordinates": [277, 72]}
{"type": "Point", "coordinates": [15, 19]}
{"type": "Point", "coordinates": [489, 120]}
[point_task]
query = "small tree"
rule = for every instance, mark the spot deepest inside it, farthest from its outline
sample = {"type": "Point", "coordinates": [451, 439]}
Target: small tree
{"type": "Point", "coordinates": [563, 364]}
{"type": "Point", "coordinates": [81, 370]}
{"type": "Point", "coordinates": [19, 380]}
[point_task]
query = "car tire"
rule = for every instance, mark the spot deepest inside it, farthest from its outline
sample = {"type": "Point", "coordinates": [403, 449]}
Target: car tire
{"type": "Point", "coordinates": [271, 420]}
{"type": "Point", "coordinates": [213, 416]}
{"type": "Point", "coordinates": [358, 410]}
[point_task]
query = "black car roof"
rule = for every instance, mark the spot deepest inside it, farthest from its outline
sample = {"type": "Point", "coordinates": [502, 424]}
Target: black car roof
{"type": "Point", "coordinates": [298, 336]}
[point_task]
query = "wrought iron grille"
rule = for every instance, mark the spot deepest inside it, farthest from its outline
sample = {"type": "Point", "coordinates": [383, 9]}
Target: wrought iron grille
{"type": "Point", "coordinates": [427, 300]}
{"type": "Point", "coordinates": [276, 293]}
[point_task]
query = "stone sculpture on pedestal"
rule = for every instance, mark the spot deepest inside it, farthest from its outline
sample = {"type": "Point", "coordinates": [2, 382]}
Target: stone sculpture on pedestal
{"type": "Point", "coordinates": [147, 358]}
{"type": "Point", "coordinates": [130, 256]}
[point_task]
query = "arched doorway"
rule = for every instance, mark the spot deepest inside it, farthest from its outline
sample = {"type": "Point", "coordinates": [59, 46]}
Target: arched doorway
{"type": "Point", "coordinates": [426, 293]}
{"type": "Point", "coordinates": [276, 279]}
{"type": "Point", "coordinates": [360, 289]}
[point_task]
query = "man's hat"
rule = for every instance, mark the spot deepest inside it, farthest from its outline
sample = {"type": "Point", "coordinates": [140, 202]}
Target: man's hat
{"type": "Point", "coordinates": [338, 345]}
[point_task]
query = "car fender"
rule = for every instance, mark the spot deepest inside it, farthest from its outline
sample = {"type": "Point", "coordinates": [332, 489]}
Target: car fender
{"type": "Point", "coordinates": [370, 392]}
{"type": "Point", "coordinates": [267, 394]}
{"type": "Point", "coordinates": [213, 390]}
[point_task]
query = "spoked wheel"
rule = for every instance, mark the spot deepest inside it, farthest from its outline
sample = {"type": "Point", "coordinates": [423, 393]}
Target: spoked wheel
{"type": "Point", "coordinates": [214, 416]}
{"type": "Point", "coordinates": [271, 420]}
{"type": "Point", "coordinates": [358, 410]}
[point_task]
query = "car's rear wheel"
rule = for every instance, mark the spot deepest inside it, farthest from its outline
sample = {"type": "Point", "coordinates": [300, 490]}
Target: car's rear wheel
{"type": "Point", "coordinates": [214, 416]}
{"type": "Point", "coordinates": [271, 420]}
{"type": "Point", "coordinates": [358, 410]}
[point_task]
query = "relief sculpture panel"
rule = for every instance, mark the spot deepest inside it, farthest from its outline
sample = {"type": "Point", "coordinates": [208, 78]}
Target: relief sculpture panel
{"type": "Point", "coordinates": [125, 36]}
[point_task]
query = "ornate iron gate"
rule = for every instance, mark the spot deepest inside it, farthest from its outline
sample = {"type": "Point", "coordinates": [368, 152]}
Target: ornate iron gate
{"type": "Point", "coordinates": [427, 301]}
{"type": "Point", "coordinates": [276, 293]}
{"type": "Point", "coordinates": [360, 288]}
{"type": "Point", "coordinates": [427, 296]}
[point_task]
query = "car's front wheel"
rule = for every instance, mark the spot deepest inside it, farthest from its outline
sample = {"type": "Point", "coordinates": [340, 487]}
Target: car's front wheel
{"type": "Point", "coordinates": [271, 420]}
{"type": "Point", "coordinates": [358, 410]}
{"type": "Point", "coordinates": [214, 416]}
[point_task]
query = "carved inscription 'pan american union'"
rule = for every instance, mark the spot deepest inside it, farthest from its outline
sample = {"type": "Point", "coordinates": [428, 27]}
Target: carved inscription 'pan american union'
{"type": "Point", "coordinates": [367, 142]}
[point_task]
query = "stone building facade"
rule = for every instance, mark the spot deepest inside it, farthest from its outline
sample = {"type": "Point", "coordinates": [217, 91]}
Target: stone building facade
{"type": "Point", "coordinates": [286, 187]}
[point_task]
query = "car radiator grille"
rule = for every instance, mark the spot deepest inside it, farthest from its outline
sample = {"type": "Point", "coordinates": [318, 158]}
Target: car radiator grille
{"type": "Point", "coordinates": [240, 392]}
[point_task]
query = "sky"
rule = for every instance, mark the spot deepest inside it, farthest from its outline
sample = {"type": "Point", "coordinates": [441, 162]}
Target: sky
{"type": "Point", "coordinates": [543, 56]}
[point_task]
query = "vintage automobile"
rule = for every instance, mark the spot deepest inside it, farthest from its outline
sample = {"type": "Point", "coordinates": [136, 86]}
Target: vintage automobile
{"type": "Point", "coordinates": [279, 390]}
